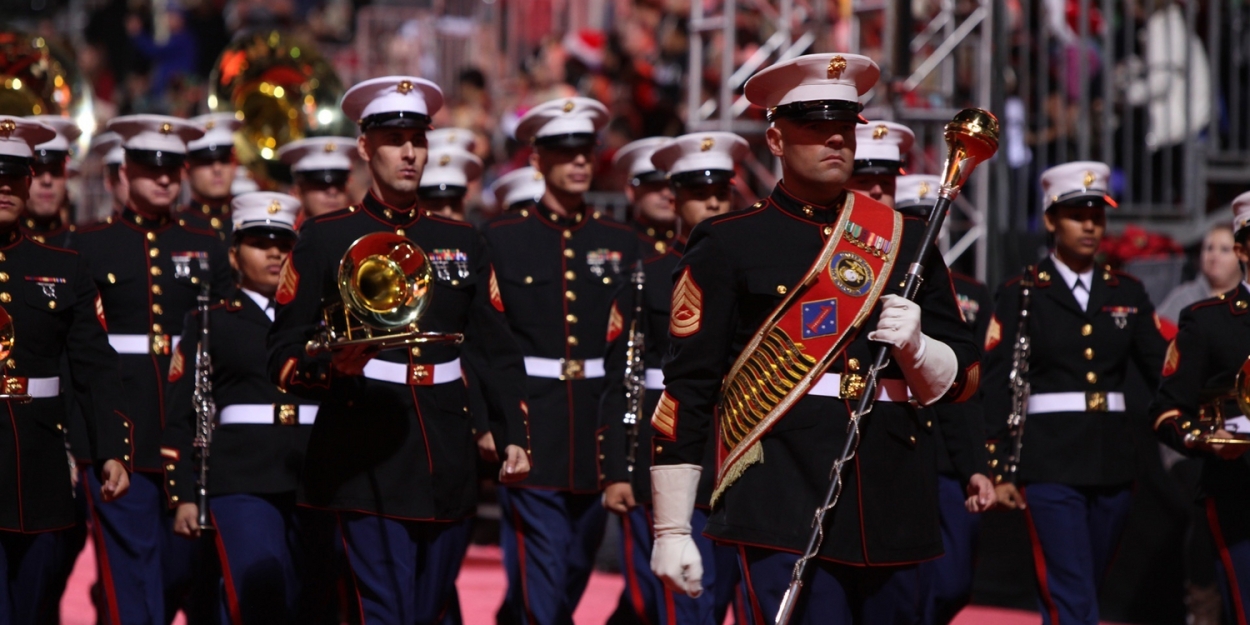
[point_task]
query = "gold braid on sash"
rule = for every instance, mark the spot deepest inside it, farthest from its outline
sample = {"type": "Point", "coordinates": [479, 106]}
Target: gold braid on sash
{"type": "Point", "coordinates": [765, 378]}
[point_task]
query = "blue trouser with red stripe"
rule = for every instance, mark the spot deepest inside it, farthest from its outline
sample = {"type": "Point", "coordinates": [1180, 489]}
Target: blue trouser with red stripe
{"type": "Point", "coordinates": [833, 593]}
{"type": "Point", "coordinates": [28, 567]}
{"type": "Point", "coordinates": [405, 571]}
{"type": "Point", "coordinates": [656, 605]}
{"type": "Point", "coordinates": [130, 536]}
{"type": "Point", "coordinates": [1230, 526]}
{"type": "Point", "coordinates": [947, 581]}
{"type": "Point", "coordinates": [549, 541]}
{"type": "Point", "coordinates": [1075, 531]}
{"type": "Point", "coordinates": [276, 559]}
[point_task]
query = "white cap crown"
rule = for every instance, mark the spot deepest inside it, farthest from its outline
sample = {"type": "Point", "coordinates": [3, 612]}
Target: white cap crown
{"type": "Point", "coordinates": [264, 209]}
{"type": "Point", "coordinates": [1078, 180]}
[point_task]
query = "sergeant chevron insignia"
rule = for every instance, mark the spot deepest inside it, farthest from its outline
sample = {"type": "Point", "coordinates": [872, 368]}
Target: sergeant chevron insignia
{"type": "Point", "coordinates": [664, 419]}
{"type": "Point", "coordinates": [616, 323]}
{"type": "Point", "coordinates": [288, 282]}
{"type": "Point", "coordinates": [993, 334]}
{"type": "Point", "coordinates": [687, 315]}
{"type": "Point", "coordinates": [496, 298]}
{"type": "Point", "coordinates": [1172, 360]}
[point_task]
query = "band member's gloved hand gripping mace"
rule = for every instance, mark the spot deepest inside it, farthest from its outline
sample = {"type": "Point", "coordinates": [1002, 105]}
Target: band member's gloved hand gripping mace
{"type": "Point", "coordinates": [971, 138]}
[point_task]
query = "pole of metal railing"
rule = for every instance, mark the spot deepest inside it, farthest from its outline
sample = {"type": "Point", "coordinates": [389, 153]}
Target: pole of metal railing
{"type": "Point", "coordinates": [1082, 85]}
{"type": "Point", "coordinates": [729, 45]}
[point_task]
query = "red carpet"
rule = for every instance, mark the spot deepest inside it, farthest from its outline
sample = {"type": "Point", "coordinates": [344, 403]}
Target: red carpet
{"type": "Point", "coordinates": [481, 587]}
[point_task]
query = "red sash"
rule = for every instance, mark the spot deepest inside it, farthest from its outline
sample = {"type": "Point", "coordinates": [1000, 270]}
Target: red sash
{"type": "Point", "coordinates": [809, 329]}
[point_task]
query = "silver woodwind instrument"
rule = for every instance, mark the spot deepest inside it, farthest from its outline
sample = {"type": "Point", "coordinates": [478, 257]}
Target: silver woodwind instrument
{"type": "Point", "coordinates": [205, 411]}
{"type": "Point", "coordinates": [1019, 381]}
{"type": "Point", "coordinates": [635, 370]}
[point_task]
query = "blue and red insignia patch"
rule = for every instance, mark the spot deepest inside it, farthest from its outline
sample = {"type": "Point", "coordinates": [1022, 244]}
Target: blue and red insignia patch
{"type": "Point", "coordinates": [820, 318]}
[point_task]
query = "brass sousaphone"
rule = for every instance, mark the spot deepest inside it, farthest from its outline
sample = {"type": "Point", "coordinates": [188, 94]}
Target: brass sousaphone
{"type": "Point", "coordinates": [1211, 418]}
{"type": "Point", "coordinates": [385, 284]}
{"type": "Point", "coordinates": [11, 387]}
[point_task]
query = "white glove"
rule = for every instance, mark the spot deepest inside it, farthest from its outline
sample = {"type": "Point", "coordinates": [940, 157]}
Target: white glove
{"type": "Point", "coordinates": [675, 558]}
{"type": "Point", "coordinates": [928, 365]}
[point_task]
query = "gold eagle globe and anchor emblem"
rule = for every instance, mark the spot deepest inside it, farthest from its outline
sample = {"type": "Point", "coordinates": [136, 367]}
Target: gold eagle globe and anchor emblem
{"type": "Point", "coordinates": [11, 387]}
{"type": "Point", "coordinates": [385, 283]}
{"type": "Point", "coordinates": [851, 274]}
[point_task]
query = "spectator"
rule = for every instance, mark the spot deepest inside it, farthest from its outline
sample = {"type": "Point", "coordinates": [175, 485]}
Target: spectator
{"type": "Point", "coordinates": [1219, 273]}
{"type": "Point", "coordinates": [170, 60]}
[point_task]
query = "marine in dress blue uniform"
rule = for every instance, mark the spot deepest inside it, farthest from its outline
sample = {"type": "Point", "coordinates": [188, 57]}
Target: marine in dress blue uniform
{"type": "Point", "coordinates": [275, 557]}
{"type": "Point", "coordinates": [560, 266]}
{"type": "Point", "coordinates": [774, 459]}
{"type": "Point", "coordinates": [948, 580]}
{"type": "Point", "coordinates": [518, 189]}
{"type": "Point", "coordinates": [51, 317]}
{"type": "Point", "coordinates": [1087, 325]}
{"type": "Point", "coordinates": [149, 268]}
{"type": "Point", "coordinates": [211, 169]}
{"type": "Point", "coordinates": [320, 168]}
{"type": "Point", "coordinates": [700, 168]}
{"type": "Point", "coordinates": [392, 451]}
{"type": "Point", "coordinates": [651, 201]}
{"type": "Point", "coordinates": [107, 146]}
{"type": "Point", "coordinates": [49, 216]}
{"type": "Point", "coordinates": [446, 178]}
{"type": "Point", "coordinates": [1200, 371]}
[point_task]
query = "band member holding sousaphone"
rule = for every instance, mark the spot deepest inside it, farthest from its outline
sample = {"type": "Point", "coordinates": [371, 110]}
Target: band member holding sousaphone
{"type": "Point", "coordinates": [700, 169]}
{"type": "Point", "coordinates": [804, 284]}
{"type": "Point", "coordinates": [149, 268]}
{"type": "Point", "coordinates": [48, 311]}
{"type": "Point", "coordinates": [392, 451]}
{"type": "Point", "coordinates": [274, 554]}
{"type": "Point", "coordinates": [560, 265]}
{"type": "Point", "coordinates": [211, 169]}
{"type": "Point", "coordinates": [1202, 408]}
{"type": "Point", "coordinates": [1086, 325]}
{"type": "Point", "coordinates": [320, 167]}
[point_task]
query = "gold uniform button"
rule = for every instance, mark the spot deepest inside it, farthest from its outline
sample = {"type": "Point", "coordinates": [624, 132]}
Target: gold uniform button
{"type": "Point", "coordinates": [156, 289]}
{"type": "Point", "coordinates": [1089, 353]}
{"type": "Point", "coordinates": [571, 318]}
{"type": "Point", "coordinates": [991, 447]}
{"type": "Point", "coordinates": [1087, 330]}
{"type": "Point", "coordinates": [529, 279]}
{"type": "Point", "coordinates": [1241, 304]}
{"type": "Point", "coordinates": [58, 426]}
{"type": "Point", "coordinates": [569, 295]}
{"type": "Point", "coordinates": [1043, 276]}
{"type": "Point", "coordinates": [10, 363]}
{"type": "Point", "coordinates": [572, 340]}
{"type": "Point", "coordinates": [568, 253]}
{"type": "Point", "coordinates": [568, 234]}
{"type": "Point", "coordinates": [112, 278]}
{"type": "Point", "coordinates": [174, 498]}
{"type": "Point", "coordinates": [6, 298]}
{"type": "Point", "coordinates": [911, 439]}
{"type": "Point", "coordinates": [659, 449]}
{"type": "Point", "coordinates": [156, 327]}
{"type": "Point", "coordinates": [126, 457]}
{"type": "Point", "coordinates": [169, 467]}
{"type": "Point", "coordinates": [157, 310]}
{"type": "Point", "coordinates": [853, 364]}
{"type": "Point", "coordinates": [1185, 425]}
{"type": "Point", "coordinates": [399, 231]}
{"type": "Point", "coordinates": [569, 275]}
{"type": "Point", "coordinates": [455, 282]}
{"type": "Point", "coordinates": [154, 252]}
{"type": "Point", "coordinates": [607, 280]}
{"type": "Point", "coordinates": [600, 437]}
{"type": "Point", "coordinates": [151, 236]}
{"type": "Point", "coordinates": [156, 271]}
{"type": "Point", "coordinates": [52, 304]}
{"type": "Point", "coordinates": [2, 257]}
{"type": "Point", "coordinates": [4, 277]}
{"type": "Point", "coordinates": [1091, 377]}
{"type": "Point", "coordinates": [416, 351]}
{"type": "Point", "coordinates": [215, 222]}
{"type": "Point", "coordinates": [173, 483]}
{"type": "Point", "coordinates": [781, 289]}
{"type": "Point", "coordinates": [828, 230]}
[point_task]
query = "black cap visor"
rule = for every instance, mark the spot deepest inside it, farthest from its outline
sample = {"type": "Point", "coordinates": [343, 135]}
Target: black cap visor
{"type": "Point", "coordinates": [156, 158]}
{"type": "Point", "coordinates": [14, 166]}
{"type": "Point", "coordinates": [819, 110]}
{"type": "Point", "coordinates": [327, 177]}
{"type": "Point", "coordinates": [872, 167]}
{"type": "Point", "coordinates": [211, 154]}
{"type": "Point", "coordinates": [263, 231]}
{"type": "Point", "coordinates": [570, 140]}
{"type": "Point", "coordinates": [1082, 198]}
{"type": "Point", "coordinates": [50, 157]}
{"type": "Point", "coordinates": [917, 208]}
{"type": "Point", "coordinates": [395, 119]}
{"type": "Point", "coordinates": [648, 178]}
{"type": "Point", "coordinates": [441, 191]}
{"type": "Point", "coordinates": [702, 177]}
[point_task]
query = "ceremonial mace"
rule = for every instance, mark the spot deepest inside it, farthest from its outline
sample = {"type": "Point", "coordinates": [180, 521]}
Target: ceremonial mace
{"type": "Point", "coordinates": [971, 138]}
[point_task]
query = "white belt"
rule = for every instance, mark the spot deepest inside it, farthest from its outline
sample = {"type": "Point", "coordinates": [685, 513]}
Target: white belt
{"type": "Point", "coordinates": [830, 385]}
{"type": "Point", "coordinates": [37, 388]}
{"type": "Point", "coordinates": [413, 374]}
{"type": "Point", "coordinates": [1093, 401]}
{"type": "Point", "coordinates": [139, 343]}
{"type": "Point", "coordinates": [565, 369]}
{"type": "Point", "coordinates": [1237, 425]}
{"type": "Point", "coordinates": [655, 379]}
{"type": "Point", "coordinates": [268, 414]}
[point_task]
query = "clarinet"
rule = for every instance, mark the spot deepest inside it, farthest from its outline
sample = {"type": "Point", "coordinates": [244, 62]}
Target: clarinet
{"type": "Point", "coordinates": [1019, 380]}
{"type": "Point", "coordinates": [205, 411]}
{"type": "Point", "coordinates": [635, 370]}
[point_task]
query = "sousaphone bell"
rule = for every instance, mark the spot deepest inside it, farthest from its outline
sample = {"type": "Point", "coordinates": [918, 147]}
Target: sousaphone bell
{"type": "Point", "coordinates": [385, 285]}
{"type": "Point", "coordinates": [11, 387]}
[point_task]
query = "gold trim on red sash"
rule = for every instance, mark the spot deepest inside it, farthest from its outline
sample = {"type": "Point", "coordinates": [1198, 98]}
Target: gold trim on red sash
{"type": "Point", "coordinates": [805, 333]}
